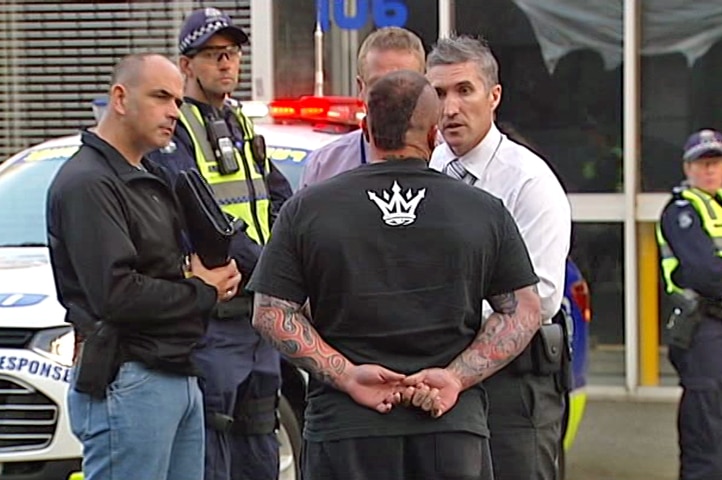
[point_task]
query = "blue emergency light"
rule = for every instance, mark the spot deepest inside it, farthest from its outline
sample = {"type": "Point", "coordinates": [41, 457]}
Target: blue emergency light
{"type": "Point", "coordinates": [99, 105]}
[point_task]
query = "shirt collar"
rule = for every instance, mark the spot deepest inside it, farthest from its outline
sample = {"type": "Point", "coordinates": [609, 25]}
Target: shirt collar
{"type": "Point", "coordinates": [202, 106]}
{"type": "Point", "coordinates": [478, 158]}
{"type": "Point", "coordinates": [115, 160]}
{"type": "Point", "coordinates": [206, 109]}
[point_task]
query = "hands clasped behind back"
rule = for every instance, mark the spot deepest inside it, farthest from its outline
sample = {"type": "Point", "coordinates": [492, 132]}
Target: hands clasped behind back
{"type": "Point", "coordinates": [224, 279]}
{"type": "Point", "coordinates": [433, 390]}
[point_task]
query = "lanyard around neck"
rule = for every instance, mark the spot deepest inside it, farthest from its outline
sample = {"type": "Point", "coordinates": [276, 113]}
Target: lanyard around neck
{"type": "Point", "coordinates": [363, 149]}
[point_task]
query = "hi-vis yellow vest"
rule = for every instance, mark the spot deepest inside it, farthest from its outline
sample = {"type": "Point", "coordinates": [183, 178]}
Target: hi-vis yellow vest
{"type": "Point", "coordinates": [243, 194]}
{"type": "Point", "coordinates": [711, 214]}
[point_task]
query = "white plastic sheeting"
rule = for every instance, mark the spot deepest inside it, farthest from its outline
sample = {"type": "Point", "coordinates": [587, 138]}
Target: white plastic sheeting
{"type": "Point", "coordinates": [689, 27]}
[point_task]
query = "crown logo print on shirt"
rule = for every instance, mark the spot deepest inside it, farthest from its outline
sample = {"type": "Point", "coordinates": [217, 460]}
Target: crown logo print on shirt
{"type": "Point", "coordinates": [400, 208]}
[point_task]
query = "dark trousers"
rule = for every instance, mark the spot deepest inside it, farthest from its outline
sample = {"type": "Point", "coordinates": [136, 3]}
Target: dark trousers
{"type": "Point", "coordinates": [237, 365]}
{"type": "Point", "coordinates": [525, 420]}
{"type": "Point", "coordinates": [699, 420]}
{"type": "Point", "coordinates": [232, 455]}
{"type": "Point", "coordinates": [437, 456]}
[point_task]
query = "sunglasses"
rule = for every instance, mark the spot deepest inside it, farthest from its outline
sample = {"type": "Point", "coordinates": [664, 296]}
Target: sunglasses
{"type": "Point", "coordinates": [209, 54]}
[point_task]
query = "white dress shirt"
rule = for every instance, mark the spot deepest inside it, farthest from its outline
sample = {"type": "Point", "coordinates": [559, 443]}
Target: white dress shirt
{"type": "Point", "coordinates": [532, 194]}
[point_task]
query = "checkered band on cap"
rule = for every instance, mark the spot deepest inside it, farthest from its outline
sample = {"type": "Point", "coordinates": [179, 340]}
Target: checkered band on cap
{"type": "Point", "coordinates": [704, 143]}
{"type": "Point", "coordinates": [189, 39]}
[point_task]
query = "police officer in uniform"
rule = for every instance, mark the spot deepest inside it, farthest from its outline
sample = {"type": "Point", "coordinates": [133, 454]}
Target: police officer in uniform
{"type": "Point", "coordinates": [396, 275]}
{"type": "Point", "coordinates": [690, 238]}
{"type": "Point", "coordinates": [241, 371]}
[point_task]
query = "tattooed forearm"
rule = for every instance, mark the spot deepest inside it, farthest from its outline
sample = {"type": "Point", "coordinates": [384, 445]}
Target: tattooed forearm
{"type": "Point", "coordinates": [285, 324]}
{"type": "Point", "coordinates": [516, 317]}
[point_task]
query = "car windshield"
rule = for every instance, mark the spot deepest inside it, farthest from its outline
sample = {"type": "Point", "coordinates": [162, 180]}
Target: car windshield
{"type": "Point", "coordinates": [24, 185]}
{"type": "Point", "coordinates": [23, 188]}
{"type": "Point", "coordinates": [292, 174]}
{"type": "Point", "coordinates": [289, 161]}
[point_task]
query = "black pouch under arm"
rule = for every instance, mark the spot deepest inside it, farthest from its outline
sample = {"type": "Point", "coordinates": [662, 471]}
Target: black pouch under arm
{"type": "Point", "coordinates": [98, 360]}
{"type": "Point", "coordinates": [549, 348]}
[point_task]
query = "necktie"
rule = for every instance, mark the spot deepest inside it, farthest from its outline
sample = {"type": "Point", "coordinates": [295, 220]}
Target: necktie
{"type": "Point", "coordinates": [457, 170]}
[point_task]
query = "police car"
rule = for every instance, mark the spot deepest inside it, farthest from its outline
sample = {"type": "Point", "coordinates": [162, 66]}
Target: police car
{"type": "Point", "coordinates": [36, 345]}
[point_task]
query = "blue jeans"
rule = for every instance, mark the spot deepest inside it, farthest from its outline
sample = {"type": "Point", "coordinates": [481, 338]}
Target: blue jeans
{"type": "Point", "coordinates": [149, 427]}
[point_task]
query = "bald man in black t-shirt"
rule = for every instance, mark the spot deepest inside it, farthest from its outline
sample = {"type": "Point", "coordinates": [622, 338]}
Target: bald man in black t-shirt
{"type": "Point", "coordinates": [395, 274]}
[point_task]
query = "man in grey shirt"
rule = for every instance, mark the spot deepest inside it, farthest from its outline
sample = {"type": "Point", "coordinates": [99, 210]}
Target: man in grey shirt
{"type": "Point", "coordinates": [385, 50]}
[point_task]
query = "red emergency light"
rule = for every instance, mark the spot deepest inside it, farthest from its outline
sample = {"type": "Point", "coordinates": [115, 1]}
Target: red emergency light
{"type": "Point", "coordinates": [580, 293]}
{"type": "Point", "coordinates": [348, 111]}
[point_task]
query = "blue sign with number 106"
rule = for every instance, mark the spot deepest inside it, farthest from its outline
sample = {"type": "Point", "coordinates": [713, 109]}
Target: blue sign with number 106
{"type": "Point", "coordinates": [385, 13]}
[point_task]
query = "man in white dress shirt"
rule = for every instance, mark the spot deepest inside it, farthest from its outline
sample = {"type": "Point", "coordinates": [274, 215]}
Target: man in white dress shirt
{"type": "Point", "coordinates": [525, 405]}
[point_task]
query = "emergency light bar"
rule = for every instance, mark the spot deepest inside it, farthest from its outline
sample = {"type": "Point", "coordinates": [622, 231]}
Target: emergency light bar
{"type": "Point", "coordinates": [330, 110]}
{"type": "Point", "coordinates": [333, 110]}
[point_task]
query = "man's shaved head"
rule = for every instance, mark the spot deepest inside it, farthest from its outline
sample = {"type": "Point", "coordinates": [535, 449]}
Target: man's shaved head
{"type": "Point", "coordinates": [402, 109]}
{"type": "Point", "coordinates": [131, 69]}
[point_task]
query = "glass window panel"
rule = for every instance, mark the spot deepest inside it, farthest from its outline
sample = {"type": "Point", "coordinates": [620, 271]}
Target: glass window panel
{"type": "Point", "coordinates": [424, 20]}
{"type": "Point", "coordinates": [23, 189]}
{"type": "Point", "coordinates": [597, 250]}
{"type": "Point", "coordinates": [569, 108]}
{"type": "Point", "coordinates": [294, 24]}
{"type": "Point", "coordinates": [293, 48]}
{"type": "Point", "coordinates": [681, 71]}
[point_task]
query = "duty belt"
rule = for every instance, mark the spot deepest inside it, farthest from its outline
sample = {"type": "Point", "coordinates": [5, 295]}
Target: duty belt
{"type": "Point", "coordinates": [256, 416]}
{"type": "Point", "coordinates": [711, 308]}
{"type": "Point", "coordinates": [252, 417]}
{"type": "Point", "coordinates": [219, 421]}
{"type": "Point", "coordinates": [240, 306]}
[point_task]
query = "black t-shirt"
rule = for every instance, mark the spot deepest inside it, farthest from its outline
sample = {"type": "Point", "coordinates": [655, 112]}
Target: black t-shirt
{"type": "Point", "coordinates": [395, 259]}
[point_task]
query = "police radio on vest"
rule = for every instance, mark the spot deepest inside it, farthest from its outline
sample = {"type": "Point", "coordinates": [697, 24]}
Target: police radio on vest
{"type": "Point", "coordinates": [220, 137]}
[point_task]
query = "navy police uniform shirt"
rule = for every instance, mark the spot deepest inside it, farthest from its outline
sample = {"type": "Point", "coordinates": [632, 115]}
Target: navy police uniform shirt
{"type": "Point", "coordinates": [700, 269]}
{"type": "Point", "coordinates": [180, 156]}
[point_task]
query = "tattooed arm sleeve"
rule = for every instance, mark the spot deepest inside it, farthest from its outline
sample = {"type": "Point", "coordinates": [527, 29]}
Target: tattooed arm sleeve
{"type": "Point", "coordinates": [516, 317]}
{"type": "Point", "coordinates": [285, 324]}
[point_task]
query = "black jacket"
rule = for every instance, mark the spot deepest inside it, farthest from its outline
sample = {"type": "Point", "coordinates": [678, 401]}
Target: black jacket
{"type": "Point", "coordinates": [114, 233]}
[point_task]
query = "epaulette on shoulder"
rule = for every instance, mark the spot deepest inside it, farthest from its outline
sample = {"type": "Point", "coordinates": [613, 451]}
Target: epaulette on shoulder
{"type": "Point", "coordinates": [681, 202]}
{"type": "Point", "coordinates": [232, 102]}
{"type": "Point", "coordinates": [677, 192]}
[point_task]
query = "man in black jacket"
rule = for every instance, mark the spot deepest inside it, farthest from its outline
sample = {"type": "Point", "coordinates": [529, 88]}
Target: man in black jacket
{"type": "Point", "coordinates": [114, 232]}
